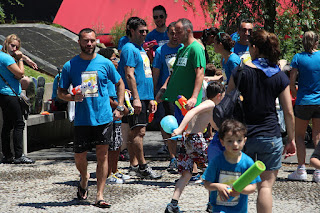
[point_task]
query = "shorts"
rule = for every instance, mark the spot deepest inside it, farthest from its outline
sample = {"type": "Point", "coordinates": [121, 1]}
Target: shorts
{"type": "Point", "coordinates": [168, 108]}
{"type": "Point", "coordinates": [193, 150]}
{"type": "Point", "coordinates": [306, 112]}
{"type": "Point", "coordinates": [140, 119]}
{"type": "Point", "coordinates": [87, 137]}
{"type": "Point", "coordinates": [116, 142]}
{"type": "Point", "coordinates": [266, 149]}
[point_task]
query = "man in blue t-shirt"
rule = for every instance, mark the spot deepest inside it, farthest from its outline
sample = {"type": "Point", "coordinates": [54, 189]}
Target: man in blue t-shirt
{"type": "Point", "coordinates": [93, 114]}
{"type": "Point", "coordinates": [162, 69]}
{"type": "Point", "coordinates": [241, 47]}
{"type": "Point", "coordinates": [134, 68]}
{"type": "Point", "coordinates": [160, 32]}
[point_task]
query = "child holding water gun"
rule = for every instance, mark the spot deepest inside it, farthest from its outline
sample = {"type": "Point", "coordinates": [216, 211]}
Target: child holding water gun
{"type": "Point", "coordinates": [194, 146]}
{"type": "Point", "coordinates": [226, 168]}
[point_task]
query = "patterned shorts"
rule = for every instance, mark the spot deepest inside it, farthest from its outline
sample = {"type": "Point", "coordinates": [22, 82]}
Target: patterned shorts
{"type": "Point", "coordinates": [116, 141]}
{"type": "Point", "coordinates": [193, 150]}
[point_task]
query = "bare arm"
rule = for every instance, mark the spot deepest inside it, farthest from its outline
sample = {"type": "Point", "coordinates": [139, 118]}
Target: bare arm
{"type": "Point", "coordinates": [220, 187]}
{"type": "Point", "coordinates": [120, 93]}
{"type": "Point", "coordinates": [285, 101]}
{"type": "Point", "coordinates": [131, 80]}
{"type": "Point", "coordinates": [293, 78]}
{"type": "Point", "coordinates": [30, 62]}
{"type": "Point", "coordinates": [162, 90]}
{"type": "Point", "coordinates": [17, 69]}
{"type": "Point", "coordinates": [197, 87]}
{"type": "Point", "coordinates": [63, 94]}
{"type": "Point", "coordinates": [231, 85]}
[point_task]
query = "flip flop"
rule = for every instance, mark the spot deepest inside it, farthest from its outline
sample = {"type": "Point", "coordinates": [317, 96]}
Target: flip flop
{"type": "Point", "coordinates": [102, 204]}
{"type": "Point", "coordinates": [82, 193]}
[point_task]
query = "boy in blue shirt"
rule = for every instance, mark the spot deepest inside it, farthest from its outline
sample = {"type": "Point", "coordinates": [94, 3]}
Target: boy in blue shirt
{"type": "Point", "coordinates": [227, 167]}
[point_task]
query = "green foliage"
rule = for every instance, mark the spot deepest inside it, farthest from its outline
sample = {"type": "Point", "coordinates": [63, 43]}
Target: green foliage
{"type": "Point", "coordinates": [214, 57]}
{"type": "Point", "coordinates": [8, 2]}
{"type": "Point", "coordinates": [33, 73]}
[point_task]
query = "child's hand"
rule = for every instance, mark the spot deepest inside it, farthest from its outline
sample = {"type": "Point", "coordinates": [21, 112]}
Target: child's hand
{"type": "Point", "coordinates": [176, 132]}
{"type": "Point", "coordinates": [223, 191]}
{"type": "Point", "coordinates": [234, 193]}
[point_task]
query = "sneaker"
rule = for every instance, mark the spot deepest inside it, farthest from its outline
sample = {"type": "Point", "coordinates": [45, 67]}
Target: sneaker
{"type": "Point", "coordinates": [299, 174]}
{"type": "Point", "coordinates": [209, 207]}
{"type": "Point", "coordinates": [112, 179]}
{"type": "Point", "coordinates": [172, 209]}
{"type": "Point", "coordinates": [133, 170]}
{"type": "Point", "coordinates": [23, 160]}
{"type": "Point", "coordinates": [122, 176]}
{"type": "Point", "coordinates": [173, 165]}
{"type": "Point", "coordinates": [163, 150]}
{"type": "Point", "coordinates": [316, 176]}
{"type": "Point", "coordinates": [195, 179]}
{"type": "Point", "coordinates": [7, 160]}
{"type": "Point", "coordinates": [148, 173]}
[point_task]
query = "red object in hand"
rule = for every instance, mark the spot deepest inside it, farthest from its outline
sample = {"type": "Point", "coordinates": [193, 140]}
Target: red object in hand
{"type": "Point", "coordinates": [147, 44]}
{"type": "Point", "coordinates": [151, 117]}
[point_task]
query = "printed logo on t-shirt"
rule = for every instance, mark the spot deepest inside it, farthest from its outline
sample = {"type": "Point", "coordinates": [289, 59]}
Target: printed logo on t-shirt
{"type": "Point", "coordinates": [228, 177]}
{"type": "Point", "coordinates": [162, 42]}
{"type": "Point", "coordinates": [170, 59]}
{"type": "Point", "coordinates": [89, 84]}
{"type": "Point", "coordinates": [146, 65]}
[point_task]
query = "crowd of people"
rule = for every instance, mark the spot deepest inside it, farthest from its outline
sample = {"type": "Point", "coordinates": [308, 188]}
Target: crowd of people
{"type": "Point", "coordinates": [154, 69]}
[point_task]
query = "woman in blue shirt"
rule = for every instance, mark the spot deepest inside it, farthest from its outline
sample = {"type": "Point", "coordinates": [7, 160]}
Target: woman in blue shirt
{"type": "Point", "coordinates": [307, 106]}
{"type": "Point", "coordinates": [12, 70]}
{"type": "Point", "coordinates": [223, 45]}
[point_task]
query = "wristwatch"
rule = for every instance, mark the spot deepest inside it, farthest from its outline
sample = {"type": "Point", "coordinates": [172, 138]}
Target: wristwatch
{"type": "Point", "coordinates": [120, 108]}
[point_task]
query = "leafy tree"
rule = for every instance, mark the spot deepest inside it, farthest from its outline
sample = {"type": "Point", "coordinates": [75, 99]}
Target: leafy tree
{"type": "Point", "coordinates": [3, 3]}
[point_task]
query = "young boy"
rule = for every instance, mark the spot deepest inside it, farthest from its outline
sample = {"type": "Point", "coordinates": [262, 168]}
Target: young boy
{"type": "Point", "coordinates": [194, 146]}
{"type": "Point", "coordinates": [315, 162]}
{"type": "Point", "coordinates": [227, 167]}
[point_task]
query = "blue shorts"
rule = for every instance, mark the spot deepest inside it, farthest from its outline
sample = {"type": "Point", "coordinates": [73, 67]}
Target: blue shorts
{"type": "Point", "coordinates": [266, 149]}
{"type": "Point", "coordinates": [178, 114]}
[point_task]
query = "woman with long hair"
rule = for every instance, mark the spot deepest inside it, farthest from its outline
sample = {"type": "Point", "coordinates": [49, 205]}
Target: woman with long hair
{"type": "Point", "coordinates": [12, 70]}
{"type": "Point", "coordinates": [307, 105]}
{"type": "Point", "coordinates": [260, 84]}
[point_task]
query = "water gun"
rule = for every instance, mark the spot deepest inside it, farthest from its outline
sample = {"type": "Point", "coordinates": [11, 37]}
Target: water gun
{"type": "Point", "coordinates": [151, 115]}
{"type": "Point", "coordinates": [181, 103]}
{"type": "Point", "coordinates": [247, 177]}
{"type": "Point", "coordinates": [127, 100]}
{"type": "Point", "coordinates": [83, 88]}
{"type": "Point", "coordinates": [147, 44]}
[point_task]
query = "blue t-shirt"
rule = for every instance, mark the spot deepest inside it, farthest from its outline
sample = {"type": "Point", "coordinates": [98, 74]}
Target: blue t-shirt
{"type": "Point", "coordinates": [221, 171]}
{"type": "Point", "coordinates": [259, 100]}
{"type": "Point", "coordinates": [308, 65]}
{"type": "Point", "coordinates": [161, 38]}
{"type": "Point", "coordinates": [133, 55]}
{"type": "Point", "coordinates": [164, 60]}
{"type": "Point", "coordinates": [240, 49]}
{"type": "Point", "coordinates": [95, 108]}
{"type": "Point", "coordinates": [122, 41]}
{"type": "Point", "coordinates": [232, 62]}
{"type": "Point", "coordinates": [5, 61]}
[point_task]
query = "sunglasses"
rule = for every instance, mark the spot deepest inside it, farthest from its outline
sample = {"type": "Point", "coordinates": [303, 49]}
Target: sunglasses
{"type": "Point", "coordinates": [115, 59]}
{"type": "Point", "coordinates": [156, 17]}
{"type": "Point", "coordinates": [142, 31]}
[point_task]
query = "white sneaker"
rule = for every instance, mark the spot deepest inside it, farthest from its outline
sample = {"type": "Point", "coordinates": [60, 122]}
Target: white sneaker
{"type": "Point", "coordinates": [316, 176]}
{"type": "Point", "coordinates": [112, 179]}
{"type": "Point", "coordinates": [122, 176]}
{"type": "Point", "coordinates": [299, 174]}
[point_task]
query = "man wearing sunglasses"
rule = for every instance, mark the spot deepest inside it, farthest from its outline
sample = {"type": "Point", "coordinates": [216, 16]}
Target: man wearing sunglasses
{"type": "Point", "coordinates": [241, 47]}
{"type": "Point", "coordinates": [160, 32]}
{"type": "Point", "coordinates": [134, 68]}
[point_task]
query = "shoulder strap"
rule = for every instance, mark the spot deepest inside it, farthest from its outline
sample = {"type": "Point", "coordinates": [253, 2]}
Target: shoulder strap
{"type": "Point", "coordinates": [9, 85]}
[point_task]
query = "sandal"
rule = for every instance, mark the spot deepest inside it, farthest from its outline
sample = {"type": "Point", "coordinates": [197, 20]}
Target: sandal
{"type": "Point", "coordinates": [102, 204]}
{"type": "Point", "coordinates": [82, 193]}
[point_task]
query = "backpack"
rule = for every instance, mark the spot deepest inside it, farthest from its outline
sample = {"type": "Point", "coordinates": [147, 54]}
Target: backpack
{"type": "Point", "coordinates": [230, 106]}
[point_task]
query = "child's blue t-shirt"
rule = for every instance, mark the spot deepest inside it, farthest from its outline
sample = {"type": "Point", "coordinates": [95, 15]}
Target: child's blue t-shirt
{"type": "Point", "coordinates": [122, 41]}
{"type": "Point", "coordinates": [5, 61]}
{"type": "Point", "coordinates": [308, 65]}
{"type": "Point", "coordinates": [95, 108]}
{"type": "Point", "coordinates": [161, 38]}
{"type": "Point", "coordinates": [232, 62]}
{"type": "Point", "coordinates": [135, 56]}
{"type": "Point", "coordinates": [164, 60]}
{"type": "Point", "coordinates": [221, 171]}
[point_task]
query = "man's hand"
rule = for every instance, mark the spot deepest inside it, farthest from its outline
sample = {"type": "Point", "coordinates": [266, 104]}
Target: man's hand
{"type": "Point", "coordinates": [191, 103]}
{"type": "Point", "coordinates": [78, 97]}
{"type": "Point", "coordinates": [136, 104]}
{"type": "Point", "coordinates": [159, 95]}
{"type": "Point", "coordinates": [117, 115]}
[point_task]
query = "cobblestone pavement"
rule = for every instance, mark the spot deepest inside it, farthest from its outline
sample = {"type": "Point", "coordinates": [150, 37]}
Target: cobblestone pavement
{"type": "Point", "coordinates": [50, 186]}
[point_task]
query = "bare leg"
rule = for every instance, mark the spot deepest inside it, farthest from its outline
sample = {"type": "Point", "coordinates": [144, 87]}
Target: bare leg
{"type": "Point", "coordinates": [131, 149]}
{"type": "Point", "coordinates": [82, 166]}
{"type": "Point", "coordinates": [102, 169]}
{"type": "Point", "coordinates": [125, 129]}
{"type": "Point", "coordinates": [315, 130]}
{"type": "Point", "coordinates": [300, 128]}
{"type": "Point", "coordinates": [113, 157]}
{"type": "Point", "coordinates": [264, 201]}
{"type": "Point", "coordinates": [137, 134]}
{"type": "Point", "coordinates": [182, 182]}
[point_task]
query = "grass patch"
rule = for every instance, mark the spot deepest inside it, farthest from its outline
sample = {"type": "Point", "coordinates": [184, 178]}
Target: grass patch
{"type": "Point", "coordinates": [33, 73]}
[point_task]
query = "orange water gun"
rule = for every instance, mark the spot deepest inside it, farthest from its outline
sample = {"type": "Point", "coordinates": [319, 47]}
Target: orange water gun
{"type": "Point", "coordinates": [181, 103]}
